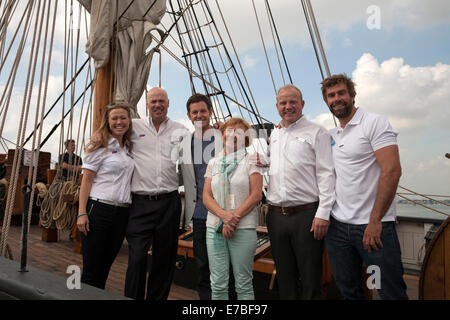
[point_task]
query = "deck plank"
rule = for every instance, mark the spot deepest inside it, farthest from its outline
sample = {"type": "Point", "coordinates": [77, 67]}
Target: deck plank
{"type": "Point", "coordinates": [55, 257]}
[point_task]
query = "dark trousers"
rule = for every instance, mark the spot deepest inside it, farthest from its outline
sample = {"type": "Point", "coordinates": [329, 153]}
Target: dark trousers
{"type": "Point", "coordinates": [155, 223]}
{"type": "Point", "coordinates": [346, 252]}
{"type": "Point", "coordinates": [201, 259]}
{"type": "Point", "coordinates": [297, 255]}
{"type": "Point", "coordinates": [107, 226]}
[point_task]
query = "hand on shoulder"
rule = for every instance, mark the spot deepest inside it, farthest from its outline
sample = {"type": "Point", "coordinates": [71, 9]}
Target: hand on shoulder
{"type": "Point", "coordinates": [258, 160]}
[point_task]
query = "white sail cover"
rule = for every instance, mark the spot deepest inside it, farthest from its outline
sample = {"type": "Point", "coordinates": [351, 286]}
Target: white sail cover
{"type": "Point", "coordinates": [134, 39]}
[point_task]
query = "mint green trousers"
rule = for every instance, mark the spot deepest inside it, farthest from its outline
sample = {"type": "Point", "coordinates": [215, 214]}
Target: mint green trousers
{"type": "Point", "coordinates": [240, 250]}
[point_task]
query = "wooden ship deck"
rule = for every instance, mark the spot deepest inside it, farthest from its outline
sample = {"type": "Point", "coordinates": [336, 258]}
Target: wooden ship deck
{"type": "Point", "coordinates": [55, 257]}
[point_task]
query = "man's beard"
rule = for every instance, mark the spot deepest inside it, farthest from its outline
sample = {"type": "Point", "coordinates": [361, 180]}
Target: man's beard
{"type": "Point", "coordinates": [341, 113]}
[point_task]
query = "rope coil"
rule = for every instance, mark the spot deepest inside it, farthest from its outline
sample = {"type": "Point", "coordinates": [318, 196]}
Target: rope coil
{"type": "Point", "coordinates": [56, 211]}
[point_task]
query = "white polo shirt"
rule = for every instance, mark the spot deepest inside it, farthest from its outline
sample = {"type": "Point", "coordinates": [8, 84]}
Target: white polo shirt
{"type": "Point", "coordinates": [114, 168]}
{"type": "Point", "coordinates": [357, 169]}
{"type": "Point", "coordinates": [155, 154]}
{"type": "Point", "coordinates": [301, 167]}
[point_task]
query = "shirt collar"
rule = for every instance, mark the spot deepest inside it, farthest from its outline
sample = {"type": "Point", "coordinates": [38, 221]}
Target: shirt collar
{"type": "Point", "coordinates": [357, 117]}
{"type": "Point", "coordinates": [113, 142]}
{"type": "Point", "coordinates": [302, 118]}
{"type": "Point", "coordinates": [151, 122]}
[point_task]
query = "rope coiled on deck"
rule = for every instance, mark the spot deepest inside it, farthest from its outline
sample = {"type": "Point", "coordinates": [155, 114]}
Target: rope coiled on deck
{"type": "Point", "coordinates": [55, 212]}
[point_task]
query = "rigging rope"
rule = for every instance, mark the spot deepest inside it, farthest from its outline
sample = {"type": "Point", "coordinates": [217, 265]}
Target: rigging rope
{"type": "Point", "coordinates": [317, 33]}
{"type": "Point", "coordinates": [32, 172]}
{"type": "Point", "coordinates": [264, 47]}
{"type": "Point", "coordinates": [200, 76]}
{"type": "Point", "coordinates": [206, 72]}
{"type": "Point", "coordinates": [63, 220]}
{"type": "Point", "coordinates": [13, 73]}
{"type": "Point", "coordinates": [3, 38]}
{"type": "Point", "coordinates": [18, 152]}
{"type": "Point", "coordinates": [424, 196]}
{"type": "Point", "coordinates": [279, 41]}
{"type": "Point", "coordinates": [420, 204]}
{"type": "Point", "coordinates": [274, 42]}
{"type": "Point", "coordinates": [255, 108]}
{"type": "Point", "coordinates": [216, 46]}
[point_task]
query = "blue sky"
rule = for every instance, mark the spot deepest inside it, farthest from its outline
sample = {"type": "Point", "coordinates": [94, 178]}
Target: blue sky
{"type": "Point", "coordinates": [401, 70]}
{"type": "Point", "coordinates": [412, 43]}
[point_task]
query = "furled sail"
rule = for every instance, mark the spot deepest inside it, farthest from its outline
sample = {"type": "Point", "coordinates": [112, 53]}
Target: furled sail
{"type": "Point", "coordinates": [135, 20]}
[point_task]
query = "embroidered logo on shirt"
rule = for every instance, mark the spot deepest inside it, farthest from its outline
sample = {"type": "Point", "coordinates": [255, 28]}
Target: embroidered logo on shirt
{"type": "Point", "coordinates": [142, 135]}
{"type": "Point", "coordinates": [333, 143]}
{"type": "Point", "coordinates": [304, 140]}
{"type": "Point", "coordinates": [114, 151]}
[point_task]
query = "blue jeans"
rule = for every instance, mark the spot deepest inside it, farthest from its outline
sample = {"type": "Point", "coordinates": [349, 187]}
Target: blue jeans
{"type": "Point", "coordinates": [345, 248]}
{"type": "Point", "coordinates": [240, 250]}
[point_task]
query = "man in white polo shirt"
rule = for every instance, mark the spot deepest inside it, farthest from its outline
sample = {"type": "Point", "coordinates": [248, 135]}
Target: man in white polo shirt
{"type": "Point", "coordinates": [368, 170]}
{"type": "Point", "coordinates": [156, 205]}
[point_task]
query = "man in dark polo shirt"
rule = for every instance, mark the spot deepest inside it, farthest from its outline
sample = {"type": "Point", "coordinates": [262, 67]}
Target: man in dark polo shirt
{"type": "Point", "coordinates": [70, 162]}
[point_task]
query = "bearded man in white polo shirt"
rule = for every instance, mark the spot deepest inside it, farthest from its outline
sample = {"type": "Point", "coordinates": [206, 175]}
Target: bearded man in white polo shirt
{"type": "Point", "coordinates": [368, 170]}
{"type": "Point", "coordinates": [300, 197]}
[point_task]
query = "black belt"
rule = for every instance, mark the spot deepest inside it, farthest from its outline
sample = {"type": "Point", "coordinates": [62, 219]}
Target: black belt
{"type": "Point", "coordinates": [112, 203]}
{"type": "Point", "coordinates": [296, 209]}
{"type": "Point", "coordinates": [155, 197]}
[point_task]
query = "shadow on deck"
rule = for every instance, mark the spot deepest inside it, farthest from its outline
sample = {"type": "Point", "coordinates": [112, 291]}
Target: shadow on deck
{"type": "Point", "coordinates": [55, 257]}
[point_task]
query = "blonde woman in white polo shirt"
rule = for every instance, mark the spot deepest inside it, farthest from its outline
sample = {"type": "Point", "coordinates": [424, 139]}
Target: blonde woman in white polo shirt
{"type": "Point", "coordinates": [105, 196]}
{"type": "Point", "coordinates": [233, 187]}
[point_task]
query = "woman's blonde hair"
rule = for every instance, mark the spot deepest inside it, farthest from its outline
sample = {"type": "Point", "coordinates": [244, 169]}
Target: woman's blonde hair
{"type": "Point", "coordinates": [104, 131]}
{"type": "Point", "coordinates": [239, 121]}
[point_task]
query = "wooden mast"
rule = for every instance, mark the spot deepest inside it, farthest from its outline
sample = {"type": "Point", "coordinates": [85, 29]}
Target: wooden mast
{"type": "Point", "coordinates": [102, 94]}
{"type": "Point", "coordinates": [102, 97]}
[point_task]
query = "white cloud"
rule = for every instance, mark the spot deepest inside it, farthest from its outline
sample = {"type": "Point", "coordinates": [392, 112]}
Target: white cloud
{"type": "Point", "coordinates": [325, 120]}
{"type": "Point", "coordinates": [432, 164]}
{"type": "Point", "coordinates": [330, 15]}
{"type": "Point", "coordinates": [415, 100]}
{"type": "Point", "coordinates": [288, 15]}
{"type": "Point", "coordinates": [249, 62]}
{"type": "Point", "coordinates": [429, 176]}
{"type": "Point", "coordinates": [347, 42]}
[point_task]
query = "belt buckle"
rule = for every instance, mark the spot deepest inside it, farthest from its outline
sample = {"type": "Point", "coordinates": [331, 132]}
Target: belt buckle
{"type": "Point", "coordinates": [118, 204]}
{"type": "Point", "coordinates": [153, 197]}
{"type": "Point", "coordinates": [282, 211]}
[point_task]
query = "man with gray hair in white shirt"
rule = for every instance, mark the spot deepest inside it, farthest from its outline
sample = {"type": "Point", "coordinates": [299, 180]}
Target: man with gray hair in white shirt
{"type": "Point", "coordinates": [300, 197]}
{"type": "Point", "coordinates": [156, 205]}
